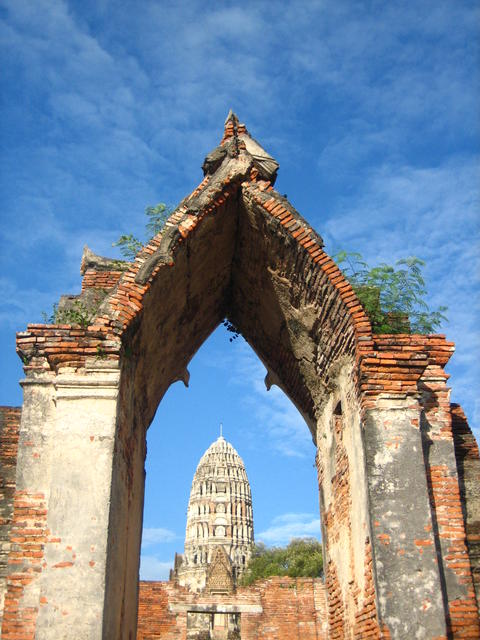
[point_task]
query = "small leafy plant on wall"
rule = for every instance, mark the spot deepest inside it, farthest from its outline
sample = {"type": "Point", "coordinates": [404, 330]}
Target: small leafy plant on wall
{"type": "Point", "coordinates": [393, 296]}
{"type": "Point", "coordinates": [156, 218]}
{"type": "Point", "coordinates": [75, 310]}
{"type": "Point", "coordinates": [78, 313]}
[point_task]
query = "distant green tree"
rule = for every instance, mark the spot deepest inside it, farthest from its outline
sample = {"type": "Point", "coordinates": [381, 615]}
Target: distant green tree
{"type": "Point", "coordinates": [301, 558]}
{"type": "Point", "coordinates": [157, 216]}
{"type": "Point", "coordinates": [393, 296]}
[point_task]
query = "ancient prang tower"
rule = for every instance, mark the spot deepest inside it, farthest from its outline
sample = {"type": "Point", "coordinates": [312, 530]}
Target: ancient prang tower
{"type": "Point", "coordinates": [398, 466]}
{"type": "Point", "coordinates": [219, 534]}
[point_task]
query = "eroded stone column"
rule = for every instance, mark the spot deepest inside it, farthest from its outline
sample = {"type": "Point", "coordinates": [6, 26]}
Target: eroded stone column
{"type": "Point", "coordinates": [409, 591]}
{"type": "Point", "coordinates": [447, 499]}
{"type": "Point", "coordinates": [468, 465]}
{"type": "Point", "coordinates": [346, 535]}
{"type": "Point", "coordinates": [59, 534]}
{"type": "Point", "coordinates": [9, 428]}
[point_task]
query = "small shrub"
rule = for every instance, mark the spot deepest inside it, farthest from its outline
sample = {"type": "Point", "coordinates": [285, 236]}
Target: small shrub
{"type": "Point", "coordinates": [393, 296]}
{"type": "Point", "coordinates": [156, 218]}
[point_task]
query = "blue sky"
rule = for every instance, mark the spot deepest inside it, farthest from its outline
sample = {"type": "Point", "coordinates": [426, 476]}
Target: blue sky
{"type": "Point", "coordinates": [371, 109]}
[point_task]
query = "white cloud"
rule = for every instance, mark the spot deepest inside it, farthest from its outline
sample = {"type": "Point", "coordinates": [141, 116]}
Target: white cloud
{"type": "Point", "coordinates": [157, 535]}
{"type": "Point", "coordinates": [152, 568]}
{"type": "Point", "coordinates": [21, 306]}
{"type": "Point", "coordinates": [288, 526]}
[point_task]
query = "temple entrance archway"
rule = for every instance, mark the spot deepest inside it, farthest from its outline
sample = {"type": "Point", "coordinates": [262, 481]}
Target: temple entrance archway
{"type": "Point", "coordinates": [236, 248]}
{"type": "Point", "coordinates": [227, 397]}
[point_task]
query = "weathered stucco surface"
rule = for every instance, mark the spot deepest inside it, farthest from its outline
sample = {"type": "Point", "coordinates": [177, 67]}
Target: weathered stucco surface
{"type": "Point", "coordinates": [401, 521]}
{"type": "Point", "coordinates": [397, 559]}
{"type": "Point", "coordinates": [59, 531]}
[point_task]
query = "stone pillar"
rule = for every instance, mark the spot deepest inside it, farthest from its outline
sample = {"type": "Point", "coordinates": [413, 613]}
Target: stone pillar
{"type": "Point", "coordinates": [409, 590]}
{"type": "Point", "coordinates": [446, 504]}
{"type": "Point", "coordinates": [346, 536]}
{"type": "Point", "coordinates": [468, 466]}
{"type": "Point", "coordinates": [9, 427]}
{"type": "Point", "coordinates": [56, 583]}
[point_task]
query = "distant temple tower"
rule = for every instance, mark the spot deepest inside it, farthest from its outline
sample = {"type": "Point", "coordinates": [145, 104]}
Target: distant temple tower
{"type": "Point", "coordinates": [219, 532]}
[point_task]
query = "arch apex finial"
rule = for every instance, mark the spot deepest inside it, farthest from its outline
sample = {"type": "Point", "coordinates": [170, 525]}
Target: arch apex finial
{"type": "Point", "coordinates": [231, 117]}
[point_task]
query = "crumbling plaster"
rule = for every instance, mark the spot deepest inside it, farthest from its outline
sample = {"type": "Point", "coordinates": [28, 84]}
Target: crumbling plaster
{"type": "Point", "coordinates": [401, 520]}
{"type": "Point", "coordinates": [356, 527]}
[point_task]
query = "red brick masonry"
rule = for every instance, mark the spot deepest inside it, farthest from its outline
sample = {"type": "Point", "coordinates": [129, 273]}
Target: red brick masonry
{"type": "Point", "coordinates": [9, 427]}
{"type": "Point", "coordinates": [280, 608]}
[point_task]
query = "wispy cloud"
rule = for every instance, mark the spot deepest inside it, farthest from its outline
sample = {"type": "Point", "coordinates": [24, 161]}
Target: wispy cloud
{"type": "Point", "coordinates": [288, 526]}
{"type": "Point", "coordinates": [287, 432]}
{"type": "Point", "coordinates": [18, 307]}
{"type": "Point", "coordinates": [157, 535]}
{"type": "Point", "coordinates": [152, 568]}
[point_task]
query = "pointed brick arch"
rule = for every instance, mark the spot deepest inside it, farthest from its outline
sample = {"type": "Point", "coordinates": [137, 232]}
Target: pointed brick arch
{"type": "Point", "coordinates": [377, 408]}
{"type": "Point", "coordinates": [236, 248]}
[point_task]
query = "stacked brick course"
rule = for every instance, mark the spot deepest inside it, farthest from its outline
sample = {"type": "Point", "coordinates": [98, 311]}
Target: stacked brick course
{"type": "Point", "coordinates": [28, 536]}
{"type": "Point", "coordinates": [9, 427]}
{"type": "Point", "coordinates": [273, 609]}
{"type": "Point", "coordinates": [93, 279]}
{"type": "Point", "coordinates": [397, 362]}
{"type": "Point", "coordinates": [43, 346]}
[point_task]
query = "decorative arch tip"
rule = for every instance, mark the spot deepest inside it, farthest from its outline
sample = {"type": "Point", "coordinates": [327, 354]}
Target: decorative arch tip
{"type": "Point", "coordinates": [91, 261]}
{"type": "Point", "coordinates": [237, 144]}
{"type": "Point", "coordinates": [231, 117]}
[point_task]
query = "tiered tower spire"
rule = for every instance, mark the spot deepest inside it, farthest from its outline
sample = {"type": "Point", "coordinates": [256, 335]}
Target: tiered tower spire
{"type": "Point", "coordinates": [219, 517]}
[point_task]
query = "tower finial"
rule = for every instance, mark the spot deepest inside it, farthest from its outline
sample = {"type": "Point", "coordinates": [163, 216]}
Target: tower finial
{"type": "Point", "coordinates": [221, 429]}
{"type": "Point", "coordinates": [231, 117]}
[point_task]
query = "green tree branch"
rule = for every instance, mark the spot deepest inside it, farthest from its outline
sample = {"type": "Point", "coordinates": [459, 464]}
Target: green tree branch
{"type": "Point", "coordinates": [156, 218]}
{"type": "Point", "coordinates": [393, 296]}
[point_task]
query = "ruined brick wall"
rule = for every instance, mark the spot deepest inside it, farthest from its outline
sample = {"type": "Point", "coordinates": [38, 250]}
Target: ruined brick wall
{"type": "Point", "coordinates": [272, 609]}
{"type": "Point", "coordinates": [99, 272]}
{"type": "Point", "coordinates": [154, 618]}
{"type": "Point", "coordinates": [447, 503]}
{"type": "Point", "coordinates": [352, 610]}
{"type": "Point", "coordinates": [396, 557]}
{"type": "Point", "coordinates": [9, 427]}
{"type": "Point", "coordinates": [93, 279]}
{"type": "Point", "coordinates": [468, 466]}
